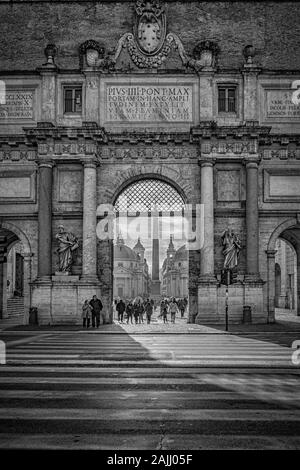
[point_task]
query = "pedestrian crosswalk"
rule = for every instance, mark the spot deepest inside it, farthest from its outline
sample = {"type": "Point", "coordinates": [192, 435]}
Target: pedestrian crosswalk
{"type": "Point", "coordinates": [119, 391]}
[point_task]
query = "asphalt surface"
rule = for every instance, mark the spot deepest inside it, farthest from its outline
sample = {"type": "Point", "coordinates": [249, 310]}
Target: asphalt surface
{"type": "Point", "coordinates": [97, 390]}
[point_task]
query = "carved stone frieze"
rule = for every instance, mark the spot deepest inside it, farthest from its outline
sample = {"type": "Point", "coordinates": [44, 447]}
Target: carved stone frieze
{"type": "Point", "coordinates": [16, 155]}
{"type": "Point", "coordinates": [148, 153]}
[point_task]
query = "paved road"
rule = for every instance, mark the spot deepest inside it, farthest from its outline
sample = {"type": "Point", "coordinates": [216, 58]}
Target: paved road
{"type": "Point", "coordinates": [117, 391]}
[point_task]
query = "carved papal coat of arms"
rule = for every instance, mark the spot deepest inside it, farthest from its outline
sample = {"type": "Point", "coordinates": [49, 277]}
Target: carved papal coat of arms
{"type": "Point", "coordinates": [150, 26]}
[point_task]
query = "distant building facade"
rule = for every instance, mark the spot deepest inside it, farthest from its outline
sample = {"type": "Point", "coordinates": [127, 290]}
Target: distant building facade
{"type": "Point", "coordinates": [131, 271]}
{"type": "Point", "coordinates": [175, 272]}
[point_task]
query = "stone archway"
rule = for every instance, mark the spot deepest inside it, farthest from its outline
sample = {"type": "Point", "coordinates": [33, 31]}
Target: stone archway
{"type": "Point", "coordinates": [288, 230]}
{"type": "Point", "coordinates": [18, 236]}
{"type": "Point", "coordinates": [114, 187]}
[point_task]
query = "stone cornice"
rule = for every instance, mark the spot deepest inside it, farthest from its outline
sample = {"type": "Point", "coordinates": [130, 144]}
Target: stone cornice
{"type": "Point", "coordinates": [47, 130]}
{"type": "Point", "coordinates": [209, 129]}
{"type": "Point", "coordinates": [150, 138]}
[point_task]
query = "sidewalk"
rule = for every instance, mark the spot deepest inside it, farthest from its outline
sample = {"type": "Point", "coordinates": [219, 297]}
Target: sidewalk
{"type": "Point", "coordinates": [286, 322]}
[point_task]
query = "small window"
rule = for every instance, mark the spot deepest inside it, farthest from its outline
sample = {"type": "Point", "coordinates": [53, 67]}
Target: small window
{"type": "Point", "coordinates": [227, 99]}
{"type": "Point", "coordinates": [73, 99]}
{"type": "Point", "coordinates": [120, 265]}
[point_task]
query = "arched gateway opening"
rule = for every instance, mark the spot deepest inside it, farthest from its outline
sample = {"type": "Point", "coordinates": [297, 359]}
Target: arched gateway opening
{"type": "Point", "coordinates": [150, 255]}
{"type": "Point", "coordinates": [15, 276]}
{"type": "Point", "coordinates": [284, 271]}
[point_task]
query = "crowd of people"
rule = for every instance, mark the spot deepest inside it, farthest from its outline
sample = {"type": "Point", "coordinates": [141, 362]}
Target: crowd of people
{"type": "Point", "coordinates": [135, 311]}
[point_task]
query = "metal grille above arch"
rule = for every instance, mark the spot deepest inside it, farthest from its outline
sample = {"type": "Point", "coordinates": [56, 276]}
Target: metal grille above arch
{"type": "Point", "coordinates": [149, 194]}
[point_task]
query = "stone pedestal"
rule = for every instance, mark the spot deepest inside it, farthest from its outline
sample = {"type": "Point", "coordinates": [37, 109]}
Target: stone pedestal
{"type": "Point", "coordinates": [207, 303]}
{"type": "Point", "coordinates": [253, 296]}
{"type": "Point", "coordinates": [59, 300]}
{"type": "Point", "coordinates": [41, 298]}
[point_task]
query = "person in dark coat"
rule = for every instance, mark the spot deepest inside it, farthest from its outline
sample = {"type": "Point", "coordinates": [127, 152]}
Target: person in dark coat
{"type": "Point", "coordinates": [149, 311]}
{"type": "Point", "coordinates": [97, 306]}
{"type": "Point", "coordinates": [129, 312]}
{"type": "Point", "coordinates": [120, 309]}
{"type": "Point", "coordinates": [136, 313]}
{"type": "Point", "coordinates": [141, 312]}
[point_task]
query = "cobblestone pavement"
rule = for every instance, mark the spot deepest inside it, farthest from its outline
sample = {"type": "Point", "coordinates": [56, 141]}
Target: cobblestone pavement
{"type": "Point", "coordinates": [158, 326]}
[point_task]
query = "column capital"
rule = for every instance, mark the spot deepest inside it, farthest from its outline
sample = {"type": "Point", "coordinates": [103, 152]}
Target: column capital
{"type": "Point", "coordinates": [44, 163]}
{"type": "Point", "coordinates": [206, 161]}
{"type": "Point", "coordinates": [252, 161]}
{"type": "Point", "coordinates": [89, 161]}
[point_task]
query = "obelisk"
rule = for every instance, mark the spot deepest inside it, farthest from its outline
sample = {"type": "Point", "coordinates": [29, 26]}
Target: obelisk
{"type": "Point", "coordinates": [155, 288]}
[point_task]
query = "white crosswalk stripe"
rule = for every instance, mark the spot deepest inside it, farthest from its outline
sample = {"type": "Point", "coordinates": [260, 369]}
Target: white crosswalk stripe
{"type": "Point", "coordinates": [117, 391]}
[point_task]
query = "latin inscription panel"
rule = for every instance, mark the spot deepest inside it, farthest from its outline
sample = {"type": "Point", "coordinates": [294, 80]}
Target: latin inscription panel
{"type": "Point", "coordinates": [149, 103]}
{"type": "Point", "coordinates": [18, 106]}
{"type": "Point", "coordinates": [279, 105]}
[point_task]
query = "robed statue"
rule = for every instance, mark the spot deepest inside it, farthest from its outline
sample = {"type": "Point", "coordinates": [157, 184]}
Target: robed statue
{"type": "Point", "coordinates": [231, 249]}
{"type": "Point", "coordinates": [67, 246]}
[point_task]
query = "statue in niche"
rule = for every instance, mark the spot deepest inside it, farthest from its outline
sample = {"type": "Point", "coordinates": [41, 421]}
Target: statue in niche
{"type": "Point", "coordinates": [231, 249]}
{"type": "Point", "coordinates": [67, 247]}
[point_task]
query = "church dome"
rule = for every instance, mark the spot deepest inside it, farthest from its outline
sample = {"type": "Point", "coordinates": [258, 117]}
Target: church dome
{"type": "Point", "coordinates": [124, 253]}
{"type": "Point", "coordinates": [181, 254]}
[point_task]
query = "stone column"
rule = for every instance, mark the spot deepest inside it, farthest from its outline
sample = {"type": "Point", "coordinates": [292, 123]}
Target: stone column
{"type": "Point", "coordinates": [271, 285]}
{"type": "Point", "coordinates": [45, 221]}
{"type": "Point", "coordinates": [27, 289]}
{"type": "Point", "coordinates": [207, 199]}
{"type": "Point", "coordinates": [2, 289]}
{"type": "Point", "coordinates": [283, 280]}
{"type": "Point", "coordinates": [298, 280]}
{"type": "Point", "coordinates": [207, 286]}
{"type": "Point", "coordinates": [252, 227]}
{"type": "Point", "coordinates": [89, 243]}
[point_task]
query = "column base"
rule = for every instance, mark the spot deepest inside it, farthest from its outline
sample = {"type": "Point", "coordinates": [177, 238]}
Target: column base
{"type": "Point", "coordinates": [253, 278]}
{"type": "Point", "coordinates": [207, 279]}
{"type": "Point", "coordinates": [89, 279]}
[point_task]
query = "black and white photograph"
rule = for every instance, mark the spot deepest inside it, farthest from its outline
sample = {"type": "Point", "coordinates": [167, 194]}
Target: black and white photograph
{"type": "Point", "coordinates": [149, 229]}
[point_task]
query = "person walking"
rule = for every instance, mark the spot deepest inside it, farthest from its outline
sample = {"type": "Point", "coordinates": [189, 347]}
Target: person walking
{"type": "Point", "coordinates": [97, 307]}
{"type": "Point", "coordinates": [141, 312]}
{"type": "Point", "coordinates": [129, 312]}
{"type": "Point", "coordinates": [86, 314]}
{"type": "Point", "coordinates": [121, 307]}
{"type": "Point", "coordinates": [136, 313]}
{"type": "Point", "coordinates": [173, 310]}
{"type": "Point", "coordinates": [181, 305]}
{"type": "Point", "coordinates": [164, 312]}
{"type": "Point", "coordinates": [149, 311]}
{"type": "Point", "coordinates": [114, 308]}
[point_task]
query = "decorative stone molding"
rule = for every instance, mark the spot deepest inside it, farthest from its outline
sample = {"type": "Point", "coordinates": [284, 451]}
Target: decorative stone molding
{"type": "Point", "coordinates": [67, 148]}
{"type": "Point", "coordinates": [210, 129]}
{"type": "Point", "coordinates": [241, 147]}
{"type": "Point", "coordinates": [92, 53]}
{"type": "Point", "coordinates": [17, 155]}
{"type": "Point", "coordinates": [142, 153]}
{"type": "Point", "coordinates": [205, 56]}
{"type": "Point", "coordinates": [44, 131]}
{"type": "Point", "coordinates": [281, 154]}
{"type": "Point", "coordinates": [150, 44]}
{"type": "Point", "coordinates": [50, 53]}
